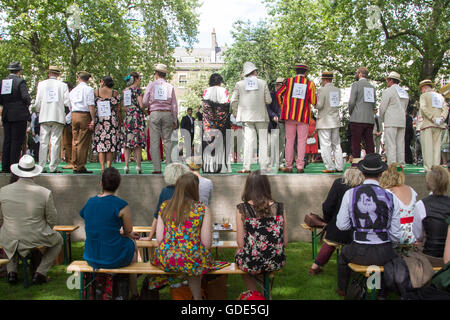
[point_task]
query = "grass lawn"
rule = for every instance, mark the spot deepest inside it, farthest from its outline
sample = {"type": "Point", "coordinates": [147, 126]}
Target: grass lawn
{"type": "Point", "coordinates": [292, 283]}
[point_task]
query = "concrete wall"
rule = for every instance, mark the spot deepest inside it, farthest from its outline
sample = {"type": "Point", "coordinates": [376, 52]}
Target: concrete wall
{"type": "Point", "coordinates": [301, 194]}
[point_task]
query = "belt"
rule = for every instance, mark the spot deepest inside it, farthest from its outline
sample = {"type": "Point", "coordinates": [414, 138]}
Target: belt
{"type": "Point", "coordinates": [80, 112]}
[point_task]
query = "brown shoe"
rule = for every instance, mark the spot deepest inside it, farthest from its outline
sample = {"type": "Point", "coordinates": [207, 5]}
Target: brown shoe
{"type": "Point", "coordinates": [286, 170]}
{"type": "Point", "coordinates": [314, 272]}
{"type": "Point", "coordinates": [39, 278]}
{"type": "Point", "coordinates": [300, 170]}
{"type": "Point", "coordinates": [244, 171]}
{"type": "Point", "coordinates": [69, 166]}
{"type": "Point", "coordinates": [340, 293]}
{"type": "Point", "coordinates": [156, 172]}
{"type": "Point", "coordinates": [328, 171]}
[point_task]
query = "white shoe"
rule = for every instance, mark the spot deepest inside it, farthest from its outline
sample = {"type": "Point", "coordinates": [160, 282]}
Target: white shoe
{"type": "Point", "coordinates": [126, 170]}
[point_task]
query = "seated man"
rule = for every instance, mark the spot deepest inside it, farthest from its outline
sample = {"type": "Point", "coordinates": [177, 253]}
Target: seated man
{"type": "Point", "coordinates": [374, 215]}
{"type": "Point", "coordinates": [27, 216]}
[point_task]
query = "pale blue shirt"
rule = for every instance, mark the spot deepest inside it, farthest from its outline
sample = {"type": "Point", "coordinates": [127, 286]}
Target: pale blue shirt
{"type": "Point", "coordinates": [344, 220]}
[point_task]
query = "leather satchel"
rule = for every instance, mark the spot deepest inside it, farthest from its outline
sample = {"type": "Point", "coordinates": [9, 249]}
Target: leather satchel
{"type": "Point", "coordinates": [314, 221]}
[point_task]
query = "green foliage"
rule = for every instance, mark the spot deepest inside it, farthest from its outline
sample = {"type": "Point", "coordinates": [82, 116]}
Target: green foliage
{"type": "Point", "coordinates": [113, 38]}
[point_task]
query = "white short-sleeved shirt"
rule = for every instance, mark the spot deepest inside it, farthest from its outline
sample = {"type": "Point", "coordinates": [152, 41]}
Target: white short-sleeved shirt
{"type": "Point", "coordinates": [81, 97]}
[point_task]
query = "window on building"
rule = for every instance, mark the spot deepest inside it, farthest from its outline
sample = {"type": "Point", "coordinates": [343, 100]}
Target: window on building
{"type": "Point", "coordinates": [182, 79]}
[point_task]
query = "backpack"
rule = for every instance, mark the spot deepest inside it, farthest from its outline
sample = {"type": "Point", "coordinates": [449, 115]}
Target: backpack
{"type": "Point", "coordinates": [106, 286]}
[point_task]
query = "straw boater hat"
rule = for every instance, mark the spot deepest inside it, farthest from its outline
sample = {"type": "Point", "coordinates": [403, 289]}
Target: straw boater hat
{"type": "Point", "coordinates": [426, 82]}
{"type": "Point", "coordinates": [194, 163]}
{"type": "Point", "coordinates": [279, 80]}
{"type": "Point", "coordinates": [14, 66]}
{"type": "Point", "coordinates": [161, 68]}
{"type": "Point", "coordinates": [249, 67]}
{"type": "Point", "coordinates": [445, 91]}
{"type": "Point", "coordinates": [54, 69]}
{"type": "Point", "coordinates": [301, 66]}
{"type": "Point", "coordinates": [372, 164]}
{"type": "Point", "coordinates": [327, 75]}
{"type": "Point", "coordinates": [393, 75]}
{"type": "Point", "coordinates": [26, 168]}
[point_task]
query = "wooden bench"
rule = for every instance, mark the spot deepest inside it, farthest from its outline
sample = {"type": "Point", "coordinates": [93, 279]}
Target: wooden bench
{"type": "Point", "coordinates": [314, 241]}
{"type": "Point", "coordinates": [82, 267]}
{"type": "Point", "coordinates": [365, 271]}
{"type": "Point", "coordinates": [142, 229]}
{"type": "Point", "coordinates": [66, 232]}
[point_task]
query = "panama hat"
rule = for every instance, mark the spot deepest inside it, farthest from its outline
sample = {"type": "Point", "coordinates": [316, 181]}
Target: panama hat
{"type": "Point", "coordinates": [426, 82]}
{"type": "Point", "coordinates": [54, 69]}
{"type": "Point", "coordinates": [279, 80]}
{"type": "Point", "coordinates": [161, 68]}
{"type": "Point", "coordinates": [249, 67]}
{"type": "Point", "coordinates": [372, 164]}
{"type": "Point", "coordinates": [26, 168]}
{"type": "Point", "coordinates": [194, 163]}
{"type": "Point", "coordinates": [14, 66]}
{"type": "Point", "coordinates": [394, 75]}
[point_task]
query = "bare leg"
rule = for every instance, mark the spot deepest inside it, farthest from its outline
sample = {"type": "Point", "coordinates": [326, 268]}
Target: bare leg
{"type": "Point", "coordinates": [109, 158]}
{"type": "Point", "coordinates": [101, 159]}
{"type": "Point", "coordinates": [138, 156]}
{"type": "Point", "coordinates": [195, 284]}
{"type": "Point", "coordinates": [127, 156]}
{"type": "Point", "coordinates": [250, 282]}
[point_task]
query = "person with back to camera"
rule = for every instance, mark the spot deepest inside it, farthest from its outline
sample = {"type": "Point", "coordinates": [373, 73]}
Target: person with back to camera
{"type": "Point", "coordinates": [183, 233]}
{"type": "Point", "coordinates": [330, 208]}
{"type": "Point", "coordinates": [430, 215]}
{"type": "Point", "coordinates": [393, 179]}
{"type": "Point", "coordinates": [104, 215]}
{"type": "Point", "coordinates": [262, 233]}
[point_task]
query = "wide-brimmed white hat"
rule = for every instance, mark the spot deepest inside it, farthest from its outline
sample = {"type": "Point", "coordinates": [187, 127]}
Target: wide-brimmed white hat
{"type": "Point", "coordinates": [26, 168]}
{"type": "Point", "coordinates": [394, 75]}
{"type": "Point", "coordinates": [249, 67]}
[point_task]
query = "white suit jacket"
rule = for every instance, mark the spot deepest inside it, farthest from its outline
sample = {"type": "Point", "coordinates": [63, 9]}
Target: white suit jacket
{"type": "Point", "coordinates": [52, 95]}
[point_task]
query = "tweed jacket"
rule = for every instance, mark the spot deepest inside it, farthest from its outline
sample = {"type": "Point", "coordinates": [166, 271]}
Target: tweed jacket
{"type": "Point", "coordinates": [251, 105]}
{"type": "Point", "coordinates": [27, 216]}
{"type": "Point", "coordinates": [360, 111]}
{"type": "Point", "coordinates": [327, 117]}
{"type": "Point", "coordinates": [393, 108]}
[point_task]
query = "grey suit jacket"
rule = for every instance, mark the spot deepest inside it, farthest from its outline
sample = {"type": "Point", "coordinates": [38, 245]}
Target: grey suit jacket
{"type": "Point", "coordinates": [360, 111]}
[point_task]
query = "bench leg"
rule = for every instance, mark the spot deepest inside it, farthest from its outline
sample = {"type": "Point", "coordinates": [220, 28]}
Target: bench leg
{"type": "Point", "coordinates": [65, 246]}
{"type": "Point", "coordinates": [267, 286]}
{"type": "Point", "coordinates": [26, 284]}
{"type": "Point", "coordinates": [81, 285]}
{"type": "Point", "coordinates": [314, 244]}
{"type": "Point", "coordinates": [70, 247]}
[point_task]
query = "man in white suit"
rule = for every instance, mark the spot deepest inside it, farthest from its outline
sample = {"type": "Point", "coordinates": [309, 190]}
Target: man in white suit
{"type": "Point", "coordinates": [328, 124]}
{"type": "Point", "coordinates": [249, 100]}
{"type": "Point", "coordinates": [394, 102]}
{"type": "Point", "coordinates": [52, 96]}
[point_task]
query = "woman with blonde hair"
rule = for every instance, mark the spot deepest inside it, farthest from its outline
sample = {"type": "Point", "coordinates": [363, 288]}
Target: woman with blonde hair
{"type": "Point", "coordinates": [430, 215]}
{"type": "Point", "coordinates": [393, 179]}
{"type": "Point", "coordinates": [330, 208]}
{"type": "Point", "coordinates": [183, 233]}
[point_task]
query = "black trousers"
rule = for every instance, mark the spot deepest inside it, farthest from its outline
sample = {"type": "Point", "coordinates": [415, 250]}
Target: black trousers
{"type": "Point", "coordinates": [362, 254]}
{"type": "Point", "coordinates": [14, 133]}
{"type": "Point", "coordinates": [408, 152]}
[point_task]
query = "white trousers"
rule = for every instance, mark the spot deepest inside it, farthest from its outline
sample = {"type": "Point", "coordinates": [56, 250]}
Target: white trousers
{"type": "Point", "coordinates": [254, 131]}
{"type": "Point", "coordinates": [394, 142]}
{"type": "Point", "coordinates": [50, 133]}
{"type": "Point", "coordinates": [330, 142]}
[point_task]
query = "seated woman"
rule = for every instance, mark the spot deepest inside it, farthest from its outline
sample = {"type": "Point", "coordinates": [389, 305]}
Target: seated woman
{"type": "Point", "coordinates": [183, 233]}
{"type": "Point", "coordinates": [330, 208]}
{"type": "Point", "coordinates": [261, 231]}
{"type": "Point", "coordinates": [104, 215]}
{"type": "Point", "coordinates": [430, 215]}
{"type": "Point", "coordinates": [171, 174]}
{"type": "Point", "coordinates": [393, 180]}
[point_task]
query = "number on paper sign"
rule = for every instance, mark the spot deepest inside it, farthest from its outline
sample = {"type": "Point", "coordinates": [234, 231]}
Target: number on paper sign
{"type": "Point", "coordinates": [127, 98]}
{"type": "Point", "coordinates": [299, 91]}
{"type": "Point", "coordinates": [436, 100]}
{"type": "Point", "coordinates": [104, 108]}
{"type": "Point", "coordinates": [402, 92]}
{"type": "Point", "coordinates": [7, 86]}
{"type": "Point", "coordinates": [51, 94]}
{"type": "Point", "coordinates": [160, 92]}
{"type": "Point", "coordinates": [334, 99]}
{"type": "Point", "coordinates": [369, 95]}
{"type": "Point", "coordinates": [251, 83]}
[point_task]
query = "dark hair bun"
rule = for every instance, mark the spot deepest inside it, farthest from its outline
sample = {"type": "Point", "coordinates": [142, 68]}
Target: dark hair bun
{"type": "Point", "coordinates": [108, 81]}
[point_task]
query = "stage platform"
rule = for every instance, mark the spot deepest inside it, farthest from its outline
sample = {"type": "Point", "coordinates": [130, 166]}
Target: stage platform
{"type": "Point", "coordinates": [301, 193]}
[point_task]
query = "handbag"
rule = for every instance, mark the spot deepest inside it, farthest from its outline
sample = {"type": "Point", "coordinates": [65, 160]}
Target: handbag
{"type": "Point", "coordinates": [310, 141]}
{"type": "Point", "coordinates": [357, 288]}
{"type": "Point", "coordinates": [315, 221]}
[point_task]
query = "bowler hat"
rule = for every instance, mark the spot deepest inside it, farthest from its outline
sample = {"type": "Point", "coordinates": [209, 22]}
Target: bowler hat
{"type": "Point", "coordinates": [26, 168]}
{"type": "Point", "coordinates": [14, 66]}
{"type": "Point", "coordinates": [249, 67]}
{"type": "Point", "coordinates": [426, 82]}
{"type": "Point", "coordinates": [372, 164]}
{"type": "Point", "coordinates": [161, 68]}
{"type": "Point", "coordinates": [394, 75]}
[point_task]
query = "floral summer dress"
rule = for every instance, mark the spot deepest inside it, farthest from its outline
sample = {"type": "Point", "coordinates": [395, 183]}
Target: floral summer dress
{"type": "Point", "coordinates": [263, 250]}
{"type": "Point", "coordinates": [181, 251]}
{"type": "Point", "coordinates": [107, 135]}
{"type": "Point", "coordinates": [134, 122]}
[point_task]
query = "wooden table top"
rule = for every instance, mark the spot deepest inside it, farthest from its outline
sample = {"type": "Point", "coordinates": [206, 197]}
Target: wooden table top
{"type": "Point", "coordinates": [65, 228]}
